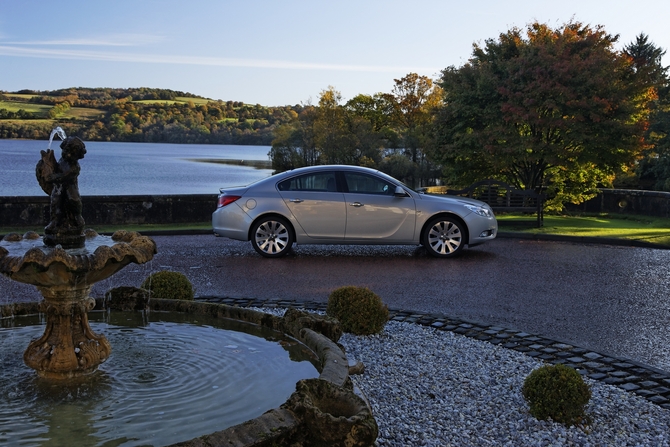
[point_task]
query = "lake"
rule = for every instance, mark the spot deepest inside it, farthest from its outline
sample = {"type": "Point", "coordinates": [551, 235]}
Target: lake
{"type": "Point", "coordinates": [136, 168]}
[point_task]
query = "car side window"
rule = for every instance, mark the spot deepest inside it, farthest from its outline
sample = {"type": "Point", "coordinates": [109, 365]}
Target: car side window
{"type": "Point", "coordinates": [318, 181]}
{"type": "Point", "coordinates": [368, 184]}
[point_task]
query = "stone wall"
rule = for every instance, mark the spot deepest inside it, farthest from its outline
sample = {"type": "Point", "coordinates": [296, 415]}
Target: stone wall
{"type": "Point", "coordinates": [627, 201]}
{"type": "Point", "coordinates": [32, 211]}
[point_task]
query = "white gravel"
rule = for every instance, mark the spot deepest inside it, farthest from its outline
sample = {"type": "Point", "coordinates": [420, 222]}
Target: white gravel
{"type": "Point", "coordinates": [436, 388]}
{"type": "Point", "coordinates": [428, 387]}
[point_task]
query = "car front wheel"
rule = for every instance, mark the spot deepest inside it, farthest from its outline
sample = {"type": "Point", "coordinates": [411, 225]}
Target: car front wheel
{"type": "Point", "coordinates": [272, 237]}
{"type": "Point", "coordinates": [444, 237]}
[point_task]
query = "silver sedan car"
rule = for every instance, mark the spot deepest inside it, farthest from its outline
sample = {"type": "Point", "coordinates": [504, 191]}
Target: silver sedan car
{"type": "Point", "coordinates": [348, 205]}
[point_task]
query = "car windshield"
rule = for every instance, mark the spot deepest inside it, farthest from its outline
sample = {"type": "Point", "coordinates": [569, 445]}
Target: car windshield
{"type": "Point", "coordinates": [411, 189]}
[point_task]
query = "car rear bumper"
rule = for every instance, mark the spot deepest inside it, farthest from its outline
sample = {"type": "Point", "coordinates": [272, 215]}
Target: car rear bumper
{"type": "Point", "coordinates": [231, 222]}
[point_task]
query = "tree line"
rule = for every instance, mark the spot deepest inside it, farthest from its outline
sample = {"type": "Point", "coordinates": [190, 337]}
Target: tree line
{"type": "Point", "coordinates": [557, 110]}
{"type": "Point", "coordinates": [145, 115]}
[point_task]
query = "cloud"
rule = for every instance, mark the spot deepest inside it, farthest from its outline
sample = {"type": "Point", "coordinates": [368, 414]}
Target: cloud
{"type": "Point", "coordinates": [115, 40]}
{"type": "Point", "coordinates": [50, 53]}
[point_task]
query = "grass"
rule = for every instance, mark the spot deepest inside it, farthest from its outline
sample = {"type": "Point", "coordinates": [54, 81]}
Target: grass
{"type": "Point", "coordinates": [108, 229]}
{"type": "Point", "coordinates": [640, 228]}
{"type": "Point", "coordinates": [20, 95]}
{"type": "Point", "coordinates": [83, 113]}
{"type": "Point", "coordinates": [28, 107]}
{"type": "Point", "coordinates": [178, 99]}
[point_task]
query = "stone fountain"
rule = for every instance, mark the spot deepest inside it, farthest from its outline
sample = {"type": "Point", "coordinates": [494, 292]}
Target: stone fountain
{"type": "Point", "coordinates": [64, 264]}
{"type": "Point", "coordinates": [68, 260]}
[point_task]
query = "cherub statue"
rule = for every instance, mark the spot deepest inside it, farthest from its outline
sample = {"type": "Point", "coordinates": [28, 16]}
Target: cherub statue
{"type": "Point", "coordinates": [59, 180]}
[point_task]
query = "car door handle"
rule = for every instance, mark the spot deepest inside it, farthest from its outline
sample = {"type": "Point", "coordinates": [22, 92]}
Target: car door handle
{"type": "Point", "coordinates": [356, 204]}
{"type": "Point", "coordinates": [296, 200]}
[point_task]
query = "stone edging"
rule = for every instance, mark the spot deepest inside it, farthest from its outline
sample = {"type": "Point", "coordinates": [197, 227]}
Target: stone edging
{"type": "Point", "coordinates": [306, 416]}
{"type": "Point", "coordinates": [644, 380]}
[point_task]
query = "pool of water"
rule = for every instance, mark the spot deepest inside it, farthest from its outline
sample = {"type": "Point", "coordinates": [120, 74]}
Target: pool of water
{"type": "Point", "coordinates": [171, 377]}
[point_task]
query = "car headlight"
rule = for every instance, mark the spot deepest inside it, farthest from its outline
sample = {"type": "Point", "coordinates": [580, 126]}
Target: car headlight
{"type": "Point", "coordinates": [480, 210]}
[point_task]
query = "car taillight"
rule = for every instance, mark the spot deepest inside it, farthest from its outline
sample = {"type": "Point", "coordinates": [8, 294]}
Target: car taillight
{"type": "Point", "coordinates": [225, 199]}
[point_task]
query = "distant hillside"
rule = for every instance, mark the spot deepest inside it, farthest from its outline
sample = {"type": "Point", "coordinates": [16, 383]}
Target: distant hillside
{"type": "Point", "coordinates": [140, 115]}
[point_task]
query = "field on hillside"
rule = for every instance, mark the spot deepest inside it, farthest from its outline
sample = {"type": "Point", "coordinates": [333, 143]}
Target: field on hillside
{"type": "Point", "coordinates": [177, 100]}
{"type": "Point", "coordinates": [14, 106]}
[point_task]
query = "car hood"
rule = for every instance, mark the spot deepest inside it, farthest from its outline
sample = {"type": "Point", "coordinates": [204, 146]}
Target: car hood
{"type": "Point", "coordinates": [458, 200]}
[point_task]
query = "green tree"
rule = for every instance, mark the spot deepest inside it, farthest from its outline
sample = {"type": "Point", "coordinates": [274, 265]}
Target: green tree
{"type": "Point", "coordinates": [653, 171]}
{"type": "Point", "coordinates": [330, 130]}
{"type": "Point", "coordinates": [556, 108]}
{"type": "Point", "coordinates": [414, 98]}
{"type": "Point", "coordinates": [293, 145]}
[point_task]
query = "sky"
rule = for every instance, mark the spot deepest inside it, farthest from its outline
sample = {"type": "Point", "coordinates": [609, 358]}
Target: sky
{"type": "Point", "coordinates": [280, 52]}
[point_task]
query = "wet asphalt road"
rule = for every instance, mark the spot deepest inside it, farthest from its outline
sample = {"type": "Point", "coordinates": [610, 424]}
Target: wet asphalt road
{"type": "Point", "coordinates": [613, 300]}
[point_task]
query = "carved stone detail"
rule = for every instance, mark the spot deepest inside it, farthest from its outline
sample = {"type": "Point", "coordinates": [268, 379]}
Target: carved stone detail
{"type": "Point", "coordinates": [68, 347]}
{"type": "Point", "coordinates": [332, 415]}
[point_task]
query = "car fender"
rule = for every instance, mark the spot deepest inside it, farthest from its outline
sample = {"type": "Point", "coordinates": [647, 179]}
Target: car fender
{"type": "Point", "coordinates": [259, 206]}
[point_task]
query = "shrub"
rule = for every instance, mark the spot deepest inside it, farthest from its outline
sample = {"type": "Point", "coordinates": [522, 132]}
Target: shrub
{"type": "Point", "coordinates": [170, 285]}
{"type": "Point", "coordinates": [359, 310]}
{"type": "Point", "coordinates": [557, 392]}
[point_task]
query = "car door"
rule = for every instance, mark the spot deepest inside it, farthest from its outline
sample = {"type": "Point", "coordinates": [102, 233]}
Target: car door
{"type": "Point", "coordinates": [316, 204]}
{"type": "Point", "coordinates": [374, 213]}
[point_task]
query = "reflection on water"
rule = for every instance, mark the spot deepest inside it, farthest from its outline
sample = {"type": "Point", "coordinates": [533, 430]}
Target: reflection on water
{"type": "Point", "coordinates": [136, 168]}
{"type": "Point", "coordinates": [170, 378]}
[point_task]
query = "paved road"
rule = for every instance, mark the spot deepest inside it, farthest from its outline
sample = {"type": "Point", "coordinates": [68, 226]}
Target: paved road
{"type": "Point", "coordinates": [614, 300]}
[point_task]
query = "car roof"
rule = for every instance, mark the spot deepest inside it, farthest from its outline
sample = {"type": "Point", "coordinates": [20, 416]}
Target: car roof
{"type": "Point", "coordinates": [326, 168]}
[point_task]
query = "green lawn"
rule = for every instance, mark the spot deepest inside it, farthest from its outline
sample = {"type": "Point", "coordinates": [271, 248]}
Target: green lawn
{"type": "Point", "coordinates": [641, 228]}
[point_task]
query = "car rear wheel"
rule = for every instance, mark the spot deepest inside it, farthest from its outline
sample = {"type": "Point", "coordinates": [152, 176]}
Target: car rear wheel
{"type": "Point", "coordinates": [272, 237]}
{"type": "Point", "coordinates": [443, 237]}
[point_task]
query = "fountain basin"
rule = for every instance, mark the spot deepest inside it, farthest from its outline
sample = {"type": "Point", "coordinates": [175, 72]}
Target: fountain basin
{"type": "Point", "coordinates": [26, 259]}
{"type": "Point", "coordinates": [172, 377]}
{"type": "Point", "coordinates": [292, 422]}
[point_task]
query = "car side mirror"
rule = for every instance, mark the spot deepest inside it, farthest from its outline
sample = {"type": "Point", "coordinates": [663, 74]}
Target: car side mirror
{"type": "Point", "coordinates": [400, 192]}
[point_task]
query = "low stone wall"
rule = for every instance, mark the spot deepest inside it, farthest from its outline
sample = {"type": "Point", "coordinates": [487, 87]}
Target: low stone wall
{"type": "Point", "coordinates": [627, 201]}
{"type": "Point", "coordinates": [33, 211]}
{"type": "Point", "coordinates": [30, 211]}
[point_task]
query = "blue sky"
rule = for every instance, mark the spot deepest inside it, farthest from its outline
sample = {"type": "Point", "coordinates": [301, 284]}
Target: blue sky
{"type": "Point", "coordinates": [275, 52]}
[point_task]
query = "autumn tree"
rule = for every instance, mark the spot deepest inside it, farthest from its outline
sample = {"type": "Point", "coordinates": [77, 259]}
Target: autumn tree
{"type": "Point", "coordinates": [556, 108]}
{"type": "Point", "coordinates": [330, 133]}
{"type": "Point", "coordinates": [293, 145]}
{"type": "Point", "coordinates": [414, 98]}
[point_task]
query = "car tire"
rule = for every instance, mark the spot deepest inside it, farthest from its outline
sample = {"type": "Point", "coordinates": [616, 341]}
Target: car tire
{"type": "Point", "coordinates": [272, 237]}
{"type": "Point", "coordinates": [444, 237]}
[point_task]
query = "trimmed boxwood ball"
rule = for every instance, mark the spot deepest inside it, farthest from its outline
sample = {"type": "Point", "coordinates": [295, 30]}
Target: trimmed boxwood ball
{"type": "Point", "coordinates": [169, 285]}
{"type": "Point", "coordinates": [359, 310]}
{"type": "Point", "coordinates": [557, 392]}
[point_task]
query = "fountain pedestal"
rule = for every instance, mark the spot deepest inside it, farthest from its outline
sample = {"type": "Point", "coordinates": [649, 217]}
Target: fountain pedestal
{"type": "Point", "coordinates": [69, 347]}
